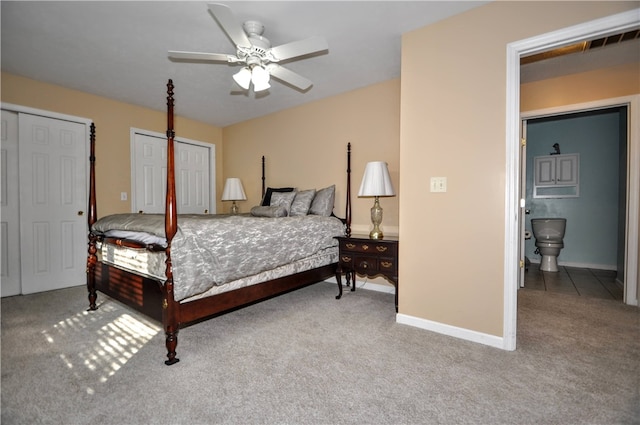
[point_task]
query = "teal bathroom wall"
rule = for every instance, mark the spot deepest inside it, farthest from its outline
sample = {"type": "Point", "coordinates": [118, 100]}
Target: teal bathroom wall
{"type": "Point", "coordinates": [591, 238]}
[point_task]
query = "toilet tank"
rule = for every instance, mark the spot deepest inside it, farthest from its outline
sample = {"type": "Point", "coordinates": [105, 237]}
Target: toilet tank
{"type": "Point", "coordinates": [548, 229]}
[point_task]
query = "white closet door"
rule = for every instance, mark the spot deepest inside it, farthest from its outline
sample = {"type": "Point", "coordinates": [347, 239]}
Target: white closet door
{"type": "Point", "coordinates": [149, 170]}
{"type": "Point", "coordinates": [53, 202]}
{"type": "Point", "coordinates": [149, 165]}
{"type": "Point", "coordinates": [192, 182]}
{"type": "Point", "coordinates": [10, 226]}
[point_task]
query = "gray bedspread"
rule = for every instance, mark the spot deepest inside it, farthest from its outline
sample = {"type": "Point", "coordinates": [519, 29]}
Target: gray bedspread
{"type": "Point", "coordinates": [216, 249]}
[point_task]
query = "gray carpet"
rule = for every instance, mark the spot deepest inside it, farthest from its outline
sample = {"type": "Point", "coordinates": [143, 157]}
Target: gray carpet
{"type": "Point", "coordinates": [306, 358]}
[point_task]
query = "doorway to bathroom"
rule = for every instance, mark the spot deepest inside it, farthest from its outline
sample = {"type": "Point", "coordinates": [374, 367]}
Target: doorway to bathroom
{"type": "Point", "coordinates": [592, 261]}
{"type": "Point", "coordinates": [514, 207]}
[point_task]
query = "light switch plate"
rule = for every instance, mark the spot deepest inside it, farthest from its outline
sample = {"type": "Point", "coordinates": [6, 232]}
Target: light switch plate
{"type": "Point", "coordinates": [123, 196]}
{"type": "Point", "coordinates": [438, 184]}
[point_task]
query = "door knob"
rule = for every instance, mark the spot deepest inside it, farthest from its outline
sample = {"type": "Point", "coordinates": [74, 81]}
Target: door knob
{"type": "Point", "coordinates": [80, 212]}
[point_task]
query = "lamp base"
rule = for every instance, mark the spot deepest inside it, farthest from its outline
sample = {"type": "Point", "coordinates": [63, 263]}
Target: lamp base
{"type": "Point", "coordinates": [234, 208]}
{"type": "Point", "coordinates": [376, 219]}
{"type": "Point", "coordinates": [376, 234]}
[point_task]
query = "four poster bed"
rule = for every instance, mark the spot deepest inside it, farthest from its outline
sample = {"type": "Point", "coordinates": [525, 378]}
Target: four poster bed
{"type": "Point", "coordinates": [180, 269]}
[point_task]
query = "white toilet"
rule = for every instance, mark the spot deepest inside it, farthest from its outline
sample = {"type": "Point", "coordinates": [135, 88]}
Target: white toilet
{"type": "Point", "coordinates": [548, 233]}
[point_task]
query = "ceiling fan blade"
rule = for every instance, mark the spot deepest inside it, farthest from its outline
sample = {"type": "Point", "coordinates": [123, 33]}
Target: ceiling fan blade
{"type": "Point", "coordinates": [217, 57]}
{"type": "Point", "coordinates": [229, 24]}
{"type": "Point", "coordinates": [287, 76]}
{"type": "Point", "coordinates": [299, 48]}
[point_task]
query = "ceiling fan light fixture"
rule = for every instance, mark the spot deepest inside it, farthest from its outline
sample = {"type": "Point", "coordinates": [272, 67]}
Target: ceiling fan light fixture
{"type": "Point", "coordinates": [255, 53]}
{"type": "Point", "coordinates": [260, 78]}
{"type": "Point", "coordinates": [243, 78]}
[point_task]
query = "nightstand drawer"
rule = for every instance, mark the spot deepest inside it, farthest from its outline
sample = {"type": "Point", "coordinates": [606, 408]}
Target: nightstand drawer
{"type": "Point", "coordinates": [374, 264]}
{"type": "Point", "coordinates": [378, 248]}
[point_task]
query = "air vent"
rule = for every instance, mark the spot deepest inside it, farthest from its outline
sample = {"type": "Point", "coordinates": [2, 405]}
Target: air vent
{"type": "Point", "coordinates": [613, 39]}
{"type": "Point", "coordinates": [584, 46]}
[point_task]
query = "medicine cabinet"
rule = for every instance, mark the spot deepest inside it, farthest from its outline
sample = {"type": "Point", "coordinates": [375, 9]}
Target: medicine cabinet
{"type": "Point", "coordinates": [556, 176]}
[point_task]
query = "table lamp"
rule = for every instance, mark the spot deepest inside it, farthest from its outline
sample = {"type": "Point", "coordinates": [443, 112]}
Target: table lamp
{"type": "Point", "coordinates": [376, 182]}
{"type": "Point", "coordinates": [233, 191]}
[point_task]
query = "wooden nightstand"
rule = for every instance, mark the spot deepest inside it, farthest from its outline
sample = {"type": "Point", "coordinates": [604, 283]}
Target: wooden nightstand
{"type": "Point", "coordinates": [370, 257]}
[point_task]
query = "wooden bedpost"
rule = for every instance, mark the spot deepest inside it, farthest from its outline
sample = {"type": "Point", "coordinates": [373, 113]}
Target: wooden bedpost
{"type": "Point", "coordinates": [169, 306]}
{"type": "Point", "coordinates": [347, 214]}
{"type": "Point", "coordinates": [263, 187]}
{"type": "Point", "coordinates": [92, 216]}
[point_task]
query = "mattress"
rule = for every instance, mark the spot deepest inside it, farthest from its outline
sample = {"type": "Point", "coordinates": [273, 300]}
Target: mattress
{"type": "Point", "coordinates": [152, 265]}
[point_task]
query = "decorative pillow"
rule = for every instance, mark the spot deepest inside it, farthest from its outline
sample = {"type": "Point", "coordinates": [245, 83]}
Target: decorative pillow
{"type": "Point", "coordinates": [302, 202]}
{"type": "Point", "coordinates": [283, 199]}
{"type": "Point", "coordinates": [323, 201]}
{"type": "Point", "coordinates": [266, 201]}
{"type": "Point", "coordinates": [268, 211]}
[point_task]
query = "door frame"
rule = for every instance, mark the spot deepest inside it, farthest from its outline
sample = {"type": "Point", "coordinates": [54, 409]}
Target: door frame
{"type": "Point", "coordinates": [620, 22]}
{"type": "Point", "coordinates": [212, 164]}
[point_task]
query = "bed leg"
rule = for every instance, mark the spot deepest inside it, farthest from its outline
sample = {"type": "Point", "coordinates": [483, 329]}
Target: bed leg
{"type": "Point", "coordinates": [170, 321]}
{"type": "Point", "coordinates": [93, 296]}
{"type": "Point", "coordinates": [92, 259]}
{"type": "Point", "coordinates": [171, 343]}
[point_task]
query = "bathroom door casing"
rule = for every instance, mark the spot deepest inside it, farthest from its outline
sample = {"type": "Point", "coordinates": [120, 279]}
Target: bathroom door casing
{"type": "Point", "coordinates": [523, 208]}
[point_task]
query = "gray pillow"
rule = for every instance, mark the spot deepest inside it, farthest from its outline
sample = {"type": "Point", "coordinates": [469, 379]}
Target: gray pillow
{"type": "Point", "coordinates": [283, 199]}
{"type": "Point", "coordinates": [302, 202]}
{"type": "Point", "coordinates": [323, 201]}
{"type": "Point", "coordinates": [268, 211]}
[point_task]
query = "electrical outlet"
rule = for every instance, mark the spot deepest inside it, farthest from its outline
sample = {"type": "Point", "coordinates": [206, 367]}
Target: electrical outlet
{"type": "Point", "coordinates": [438, 184]}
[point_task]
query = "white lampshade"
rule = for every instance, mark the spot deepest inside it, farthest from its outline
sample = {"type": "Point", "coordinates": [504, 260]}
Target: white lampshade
{"type": "Point", "coordinates": [260, 78]}
{"type": "Point", "coordinates": [243, 78]}
{"type": "Point", "coordinates": [376, 180]}
{"type": "Point", "coordinates": [233, 190]}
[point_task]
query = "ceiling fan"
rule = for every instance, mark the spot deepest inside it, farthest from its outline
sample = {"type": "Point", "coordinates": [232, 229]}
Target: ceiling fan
{"type": "Point", "coordinates": [254, 52]}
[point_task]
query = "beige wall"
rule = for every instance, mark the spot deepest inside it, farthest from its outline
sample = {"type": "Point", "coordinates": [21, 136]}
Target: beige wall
{"type": "Point", "coordinates": [453, 124]}
{"type": "Point", "coordinates": [113, 121]}
{"type": "Point", "coordinates": [605, 83]}
{"type": "Point", "coordinates": [306, 147]}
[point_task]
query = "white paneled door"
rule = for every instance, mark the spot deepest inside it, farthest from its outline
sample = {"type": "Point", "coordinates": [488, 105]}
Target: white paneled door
{"type": "Point", "coordinates": [10, 226]}
{"type": "Point", "coordinates": [149, 170]}
{"type": "Point", "coordinates": [53, 202]}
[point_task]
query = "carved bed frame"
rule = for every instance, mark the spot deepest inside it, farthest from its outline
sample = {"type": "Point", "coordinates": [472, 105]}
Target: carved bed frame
{"type": "Point", "coordinates": [155, 298]}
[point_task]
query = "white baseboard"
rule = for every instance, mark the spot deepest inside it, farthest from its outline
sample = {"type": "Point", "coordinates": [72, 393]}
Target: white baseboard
{"type": "Point", "coordinates": [461, 333]}
{"type": "Point", "coordinates": [579, 265]}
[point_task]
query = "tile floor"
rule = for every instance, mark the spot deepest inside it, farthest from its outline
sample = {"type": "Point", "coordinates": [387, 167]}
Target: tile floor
{"type": "Point", "coordinates": [573, 280]}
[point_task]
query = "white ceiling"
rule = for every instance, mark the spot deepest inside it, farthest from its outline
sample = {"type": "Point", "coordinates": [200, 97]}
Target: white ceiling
{"type": "Point", "coordinates": [118, 49]}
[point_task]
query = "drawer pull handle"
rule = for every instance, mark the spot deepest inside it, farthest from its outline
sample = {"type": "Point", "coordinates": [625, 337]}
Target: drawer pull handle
{"type": "Point", "coordinates": [365, 247]}
{"type": "Point", "coordinates": [350, 245]}
{"type": "Point", "coordinates": [346, 259]}
{"type": "Point", "coordinates": [381, 248]}
{"type": "Point", "coordinates": [386, 264]}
